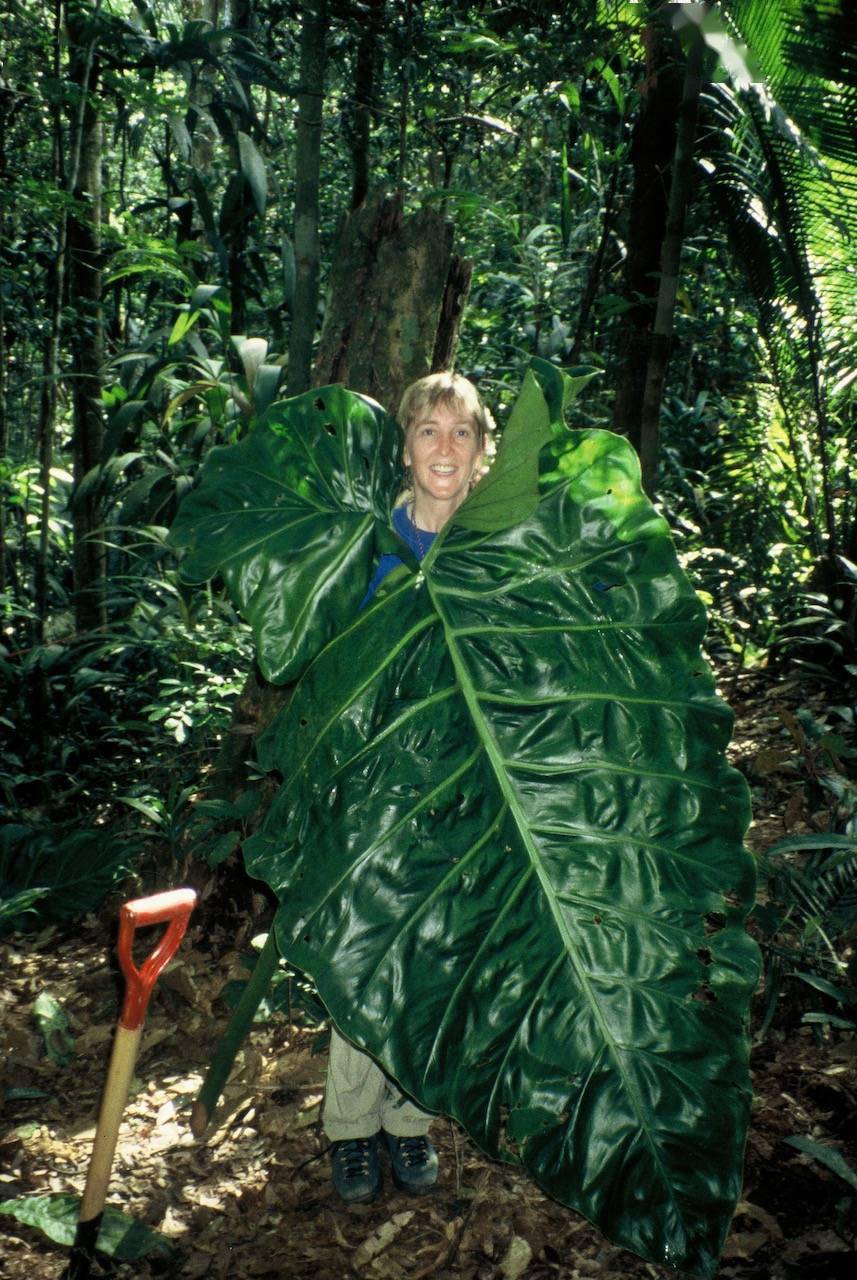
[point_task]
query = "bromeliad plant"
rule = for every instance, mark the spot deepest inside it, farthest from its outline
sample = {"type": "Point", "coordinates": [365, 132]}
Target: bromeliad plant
{"type": "Point", "coordinates": [506, 846]}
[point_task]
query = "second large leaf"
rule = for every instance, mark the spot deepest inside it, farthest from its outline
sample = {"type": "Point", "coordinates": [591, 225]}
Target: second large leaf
{"type": "Point", "coordinates": [509, 851]}
{"type": "Point", "coordinates": [289, 516]}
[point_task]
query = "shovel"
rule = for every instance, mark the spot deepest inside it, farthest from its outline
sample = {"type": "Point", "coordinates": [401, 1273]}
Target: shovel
{"type": "Point", "coordinates": [173, 909]}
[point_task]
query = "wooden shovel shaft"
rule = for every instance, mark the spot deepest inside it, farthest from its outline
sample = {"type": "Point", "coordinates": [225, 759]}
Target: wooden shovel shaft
{"type": "Point", "coordinates": [121, 1069]}
{"type": "Point", "coordinates": [174, 910]}
{"type": "Point", "coordinates": [125, 1047]}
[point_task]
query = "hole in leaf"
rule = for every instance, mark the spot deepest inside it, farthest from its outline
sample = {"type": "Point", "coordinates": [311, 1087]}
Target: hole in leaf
{"type": "Point", "coordinates": [303, 722]}
{"type": "Point", "coordinates": [306, 937]}
{"type": "Point", "coordinates": [714, 922]}
{"type": "Point", "coordinates": [319, 404]}
{"type": "Point", "coordinates": [609, 490]}
{"type": "Point", "coordinates": [330, 428]}
{"type": "Point", "coordinates": [704, 955]}
{"type": "Point", "coordinates": [596, 919]}
{"type": "Point", "coordinates": [732, 899]}
{"type": "Point", "coordinates": [704, 995]}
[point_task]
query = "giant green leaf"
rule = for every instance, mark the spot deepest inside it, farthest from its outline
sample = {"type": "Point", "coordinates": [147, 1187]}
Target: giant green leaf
{"type": "Point", "coordinates": [289, 517]}
{"type": "Point", "coordinates": [508, 850]}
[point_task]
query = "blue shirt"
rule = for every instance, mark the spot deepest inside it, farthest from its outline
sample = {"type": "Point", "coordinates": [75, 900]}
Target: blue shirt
{"type": "Point", "coordinates": [418, 540]}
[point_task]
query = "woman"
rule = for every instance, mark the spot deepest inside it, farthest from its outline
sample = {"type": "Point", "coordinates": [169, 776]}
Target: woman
{"type": "Point", "coordinates": [446, 430]}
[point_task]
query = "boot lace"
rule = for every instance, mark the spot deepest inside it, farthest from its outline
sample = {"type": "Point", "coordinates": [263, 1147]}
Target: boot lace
{"type": "Point", "coordinates": [414, 1151]}
{"type": "Point", "coordinates": [354, 1157]}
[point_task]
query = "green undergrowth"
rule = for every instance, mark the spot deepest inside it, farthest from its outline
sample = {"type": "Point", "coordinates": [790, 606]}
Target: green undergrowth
{"type": "Point", "coordinates": [111, 779]}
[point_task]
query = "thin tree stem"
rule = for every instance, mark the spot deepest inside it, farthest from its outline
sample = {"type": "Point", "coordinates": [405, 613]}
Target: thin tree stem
{"type": "Point", "coordinates": [680, 184]}
{"type": "Point", "coordinates": [310, 98]}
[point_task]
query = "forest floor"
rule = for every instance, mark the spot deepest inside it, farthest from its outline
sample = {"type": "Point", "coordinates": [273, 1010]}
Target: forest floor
{"type": "Point", "coordinates": [253, 1198]}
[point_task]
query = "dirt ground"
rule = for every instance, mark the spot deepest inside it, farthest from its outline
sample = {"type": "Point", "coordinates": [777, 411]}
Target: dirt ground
{"type": "Point", "coordinates": [253, 1197]}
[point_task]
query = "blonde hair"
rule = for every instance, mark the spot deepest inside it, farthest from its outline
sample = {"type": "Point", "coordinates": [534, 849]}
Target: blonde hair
{"type": "Point", "coordinates": [449, 389]}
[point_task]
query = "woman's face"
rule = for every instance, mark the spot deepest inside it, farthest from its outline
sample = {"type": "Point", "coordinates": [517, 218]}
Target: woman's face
{"type": "Point", "coordinates": [442, 449]}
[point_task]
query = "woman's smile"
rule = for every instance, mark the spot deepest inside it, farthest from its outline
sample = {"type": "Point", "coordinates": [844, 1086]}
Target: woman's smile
{"type": "Point", "coordinates": [443, 451]}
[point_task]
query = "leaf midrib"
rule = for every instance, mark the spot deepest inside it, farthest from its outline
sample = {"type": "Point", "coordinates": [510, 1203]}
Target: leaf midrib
{"type": "Point", "coordinates": [497, 762]}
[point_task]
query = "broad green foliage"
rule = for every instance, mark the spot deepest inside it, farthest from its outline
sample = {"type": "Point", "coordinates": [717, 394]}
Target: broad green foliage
{"type": "Point", "coordinates": [122, 717]}
{"type": "Point", "coordinates": [782, 162]}
{"type": "Point", "coordinates": [807, 919]}
{"type": "Point", "coordinates": [120, 1235]}
{"type": "Point", "coordinates": [510, 491]}
{"type": "Point", "coordinates": [199, 137]}
{"type": "Point", "coordinates": [508, 848]}
{"type": "Point", "coordinates": [57, 874]}
{"type": "Point", "coordinates": [288, 516]}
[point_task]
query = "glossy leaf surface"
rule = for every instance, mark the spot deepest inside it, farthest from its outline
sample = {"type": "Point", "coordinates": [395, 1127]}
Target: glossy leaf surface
{"type": "Point", "coordinates": [119, 1236]}
{"type": "Point", "coordinates": [289, 517]}
{"type": "Point", "coordinates": [510, 491]}
{"type": "Point", "coordinates": [508, 850]}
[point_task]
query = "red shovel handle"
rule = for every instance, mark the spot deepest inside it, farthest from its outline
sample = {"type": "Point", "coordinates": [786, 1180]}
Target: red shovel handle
{"type": "Point", "coordinates": [174, 906]}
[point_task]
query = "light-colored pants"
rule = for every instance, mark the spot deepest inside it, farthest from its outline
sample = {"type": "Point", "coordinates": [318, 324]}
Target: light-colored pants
{"type": "Point", "coordinates": [360, 1099]}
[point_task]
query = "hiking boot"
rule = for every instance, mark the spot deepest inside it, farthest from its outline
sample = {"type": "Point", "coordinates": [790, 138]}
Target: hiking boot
{"type": "Point", "coordinates": [414, 1163]}
{"type": "Point", "coordinates": [356, 1169]}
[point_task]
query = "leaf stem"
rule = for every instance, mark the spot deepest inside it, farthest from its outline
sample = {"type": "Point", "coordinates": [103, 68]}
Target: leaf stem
{"type": "Point", "coordinates": [234, 1035]}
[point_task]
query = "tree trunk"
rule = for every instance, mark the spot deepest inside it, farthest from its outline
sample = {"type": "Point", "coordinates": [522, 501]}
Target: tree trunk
{"type": "Point", "coordinates": [307, 168]}
{"type": "Point", "coordinates": [45, 445]}
{"type": "Point", "coordinates": [238, 208]}
{"type": "Point", "coordinates": [680, 189]}
{"type": "Point", "coordinates": [51, 354]}
{"type": "Point", "coordinates": [590, 292]}
{"type": "Point", "coordinates": [86, 327]}
{"type": "Point", "coordinates": [203, 135]}
{"type": "Point", "coordinates": [396, 296]}
{"type": "Point", "coordinates": [357, 118]}
{"type": "Point", "coordinates": [7, 108]}
{"type": "Point", "coordinates": [652, 148]}
{"type": "Point", "coordinates": [405, 77]}
{"type": "Point", "coordinates": [455, 295]}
